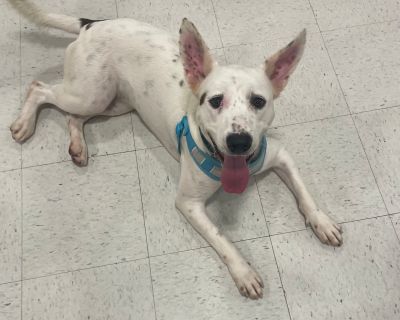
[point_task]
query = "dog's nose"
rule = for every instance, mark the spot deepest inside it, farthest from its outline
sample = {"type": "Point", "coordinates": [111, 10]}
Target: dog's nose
{"type": "Point", "coordinates": [239, 143]}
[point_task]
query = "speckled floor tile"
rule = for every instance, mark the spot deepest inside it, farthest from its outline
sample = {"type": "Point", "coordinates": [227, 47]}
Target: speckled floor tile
{"type": "Point", "coordinates": [9, 43]}
{"type": "Point", "coordinates": [366, 61]}
{"type": "Point", "coordinates": [10, 301]}
{"type": "Point", "coordinates": [333, 165]}
{"type": "Point", "coordinates": [10, 226]}
{"type": "Point", "coordinates": [77, 220]}
{"type": "Point", "coordinates": [10, 151]}
{"type": "Point", "coordinates": [121, 291]}
{"type": "Point", "coordinates": [313, 91]}
{"type": "Point", "coordinates": [196, 285]}
{"type": "Point", "coordinates": [143, 137]}
{"type": "Point", "coordinates": [333, 14]}
{"type": "Point", "coordinates": [42, 50]}
{"type": "Point", "coordinates": [380, 134]}
{"type": "Point", "coordinates": [243, 22]}
{"type": "Point", "coordinates": [396, 223]}
{"type": "Point", "coordinates": [357, 281]}
{"type": "Point", "coordinates": [167, 230]}
{"type": "Point", "coordinates": [168, 14]}
{"type": "Point", "coordinates": [82, 217]}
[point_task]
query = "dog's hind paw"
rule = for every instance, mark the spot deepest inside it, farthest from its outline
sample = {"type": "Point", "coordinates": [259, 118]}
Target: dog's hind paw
{"type": "Point", "coordinates": [247, 280]}
{"type": "Point", "coordinates": [78, 153]}
{"type": "Point", "coordinates": [22, 129]}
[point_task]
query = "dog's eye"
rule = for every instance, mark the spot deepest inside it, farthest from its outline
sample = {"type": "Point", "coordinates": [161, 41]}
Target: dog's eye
{"type": "Point", "coordinates": [257, 102]}
{"type": "Point", "coordinates": [216, 101]}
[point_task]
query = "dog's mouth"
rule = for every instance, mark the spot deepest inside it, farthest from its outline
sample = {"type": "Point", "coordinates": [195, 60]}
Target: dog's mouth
{"type": "Point", "coordinates": [235, 172]}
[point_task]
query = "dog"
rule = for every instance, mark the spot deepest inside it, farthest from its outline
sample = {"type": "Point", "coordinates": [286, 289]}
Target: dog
{"type": "Point", "coordinates": [213, 119]}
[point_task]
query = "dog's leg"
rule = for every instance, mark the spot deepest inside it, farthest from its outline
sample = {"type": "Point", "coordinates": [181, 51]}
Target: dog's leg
{"type": "Point", "coordinates": [24, 126]}
{"type": "Point", "coordinates": [77, 147]}
{"type": "Point", "coordinates": [194, 189]}
{"type": "Point", "coordinates": [74, 101]}
{"type": "Point", "coordinates": [326, 230]}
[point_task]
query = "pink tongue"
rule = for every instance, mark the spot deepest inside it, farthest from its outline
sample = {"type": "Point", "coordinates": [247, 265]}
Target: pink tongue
{"type": "Point", "coordinates": [235, 174]}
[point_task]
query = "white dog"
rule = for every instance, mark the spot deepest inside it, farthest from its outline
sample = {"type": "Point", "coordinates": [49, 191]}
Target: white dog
{"type": "Point", "coordinates": [211, 118]}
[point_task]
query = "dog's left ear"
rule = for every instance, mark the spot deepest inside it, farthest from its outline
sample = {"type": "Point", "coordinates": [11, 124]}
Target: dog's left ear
{"type": "Point", "coordinates": [282, 64]}
{"type": "Point", "coordinates": [195, 55]}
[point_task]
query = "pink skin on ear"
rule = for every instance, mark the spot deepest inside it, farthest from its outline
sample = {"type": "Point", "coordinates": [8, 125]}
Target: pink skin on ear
{"type": "Point", "coordinates": [196, 58]}
{"type": "Point", "coordinates": [282, 64]}
{"type": "Point", "coordinates": [193, 58]}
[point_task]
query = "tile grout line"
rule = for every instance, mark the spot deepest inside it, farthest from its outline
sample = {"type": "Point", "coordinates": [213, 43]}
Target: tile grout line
{"type": "Point", "coordinates": [147, 241]}
{"type": "Point", "coordinates": [176, 252]}
{"type": "Point", "coordinates": [160, 146]}
{"type": "Point", "coordinates": [10, 282]}
{"type": "Point", "coordinates": [355, 26]}
{"type": "Point", "coordinates": [288, 37]}
{"type": "Point", "coordinates": [391, 220]}
{"type": "Point", "coordinates": [262, 237]}
{"type": "Point", "coordinates": [83, 269]}
{"type": "Point", "coordinates": [10, 170]}
{"type": "Point", "coordinates": [316, 32]}
{"type": "Point", "coordinates": [352, 116]}
{"type": "Point", "coordinates": [93, 157]}
{"type": "Point", "coordinates": [273, 250]}
{"type": "Point", "coordinates": [116, 8]}
{"type": "Point", "coordinates": [141, 201]}
{"type": "Point", "coordinates": [355, 126]}
{"type": "Point", "coordinates": [310, 121]}
{"type": "Point", "coordinates": [373, 110]}
{"type": "Point", "coordinates": [219, 30]}
{"type": "Point", "coordinates": [21, 177]}
{"type": "Point", "coordinates": [144, 218]}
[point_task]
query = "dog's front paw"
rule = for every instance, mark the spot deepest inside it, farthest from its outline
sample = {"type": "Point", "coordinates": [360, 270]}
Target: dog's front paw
{"type": "Point", "coordinates": [22, 129]}
{"type": "Point", "coordinates": [247, 280]}
{"type": "Point", "coordinates": [326, 229]}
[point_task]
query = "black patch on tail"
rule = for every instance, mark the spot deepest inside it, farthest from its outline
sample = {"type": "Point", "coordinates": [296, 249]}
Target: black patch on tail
{"type": "Point", "coordinates": [87, 23]}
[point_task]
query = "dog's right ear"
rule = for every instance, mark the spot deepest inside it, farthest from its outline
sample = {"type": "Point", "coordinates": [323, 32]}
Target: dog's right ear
{"type": "Point", "coordinates": [195, 55]}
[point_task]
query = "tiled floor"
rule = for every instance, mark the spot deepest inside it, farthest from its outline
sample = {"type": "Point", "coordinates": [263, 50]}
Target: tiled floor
{"type": "Point", "coordinates": [105, 242]}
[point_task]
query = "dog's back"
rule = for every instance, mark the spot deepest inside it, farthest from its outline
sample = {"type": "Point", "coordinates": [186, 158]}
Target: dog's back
{"type": "Point", "coordinates": [123, 61]}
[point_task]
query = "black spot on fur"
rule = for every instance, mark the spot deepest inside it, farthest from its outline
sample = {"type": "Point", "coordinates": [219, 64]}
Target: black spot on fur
{"type": "Point", "coordinates": [174, 60]}
{"type": "Point", "coordinates": [181, 83]}
{"type": "Point", "coordinates": [202, 98]}
{"type": "Point", "coordinates": [87, 23]}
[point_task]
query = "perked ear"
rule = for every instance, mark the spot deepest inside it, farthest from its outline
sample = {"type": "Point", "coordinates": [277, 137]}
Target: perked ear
{"type": "Point", "coordinates": [195, 55]}
{"type": "Point", "coordinates": [282, 64]}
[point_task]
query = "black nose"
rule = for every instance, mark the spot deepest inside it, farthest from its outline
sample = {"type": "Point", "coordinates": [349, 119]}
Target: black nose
{"type": "Point", "coordinates": [239, 143]}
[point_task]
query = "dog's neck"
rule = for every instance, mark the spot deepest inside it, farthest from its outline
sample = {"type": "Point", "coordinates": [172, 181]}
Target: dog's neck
{"type": "Point", "coordinates": [199, 135]}
{"type": "Point", "coordinates": [195, 130]}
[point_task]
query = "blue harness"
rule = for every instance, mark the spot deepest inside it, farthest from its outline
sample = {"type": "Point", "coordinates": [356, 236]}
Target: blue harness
{"type": "Point", "coordinates": [208, 164]}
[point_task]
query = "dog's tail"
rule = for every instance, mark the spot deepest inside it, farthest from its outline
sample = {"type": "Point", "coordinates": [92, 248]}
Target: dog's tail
{"type": "Point", "coordinates": [40, 17]}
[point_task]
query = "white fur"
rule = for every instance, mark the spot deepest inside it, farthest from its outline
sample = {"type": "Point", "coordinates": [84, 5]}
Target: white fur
{"type": "Point", "coordinates": [121, 65]}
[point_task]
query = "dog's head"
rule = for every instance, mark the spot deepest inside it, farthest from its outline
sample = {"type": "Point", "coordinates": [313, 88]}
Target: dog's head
{"type": "Point", "coordinates": [235, 103]}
